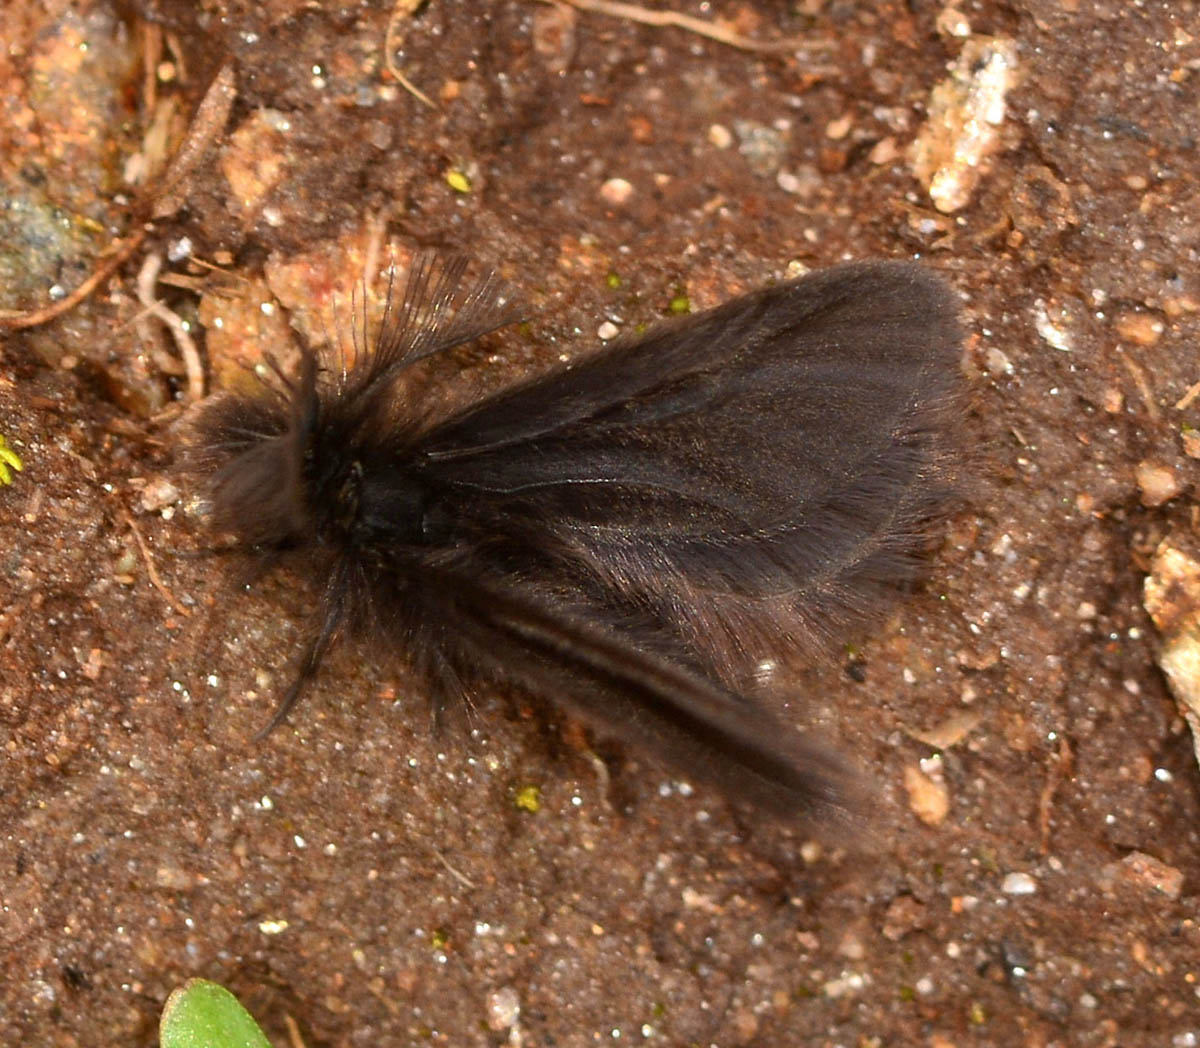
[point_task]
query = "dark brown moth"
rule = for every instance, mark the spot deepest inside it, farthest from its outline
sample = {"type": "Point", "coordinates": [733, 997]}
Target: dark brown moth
{"type": "Point", "coordinates": [626, 536]}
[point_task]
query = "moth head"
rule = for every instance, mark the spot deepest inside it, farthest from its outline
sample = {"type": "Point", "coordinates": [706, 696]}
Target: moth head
{"type": "Point", "coordinates": [257, 487]}
{"type": "Point", "coordinates": [254, 451]}
{"type": "Point", "coordinates": [283, 472]}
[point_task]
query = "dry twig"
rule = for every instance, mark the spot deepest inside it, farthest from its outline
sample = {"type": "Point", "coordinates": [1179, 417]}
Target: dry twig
{"type": "Point", "coordinates": [293, 1029]}
{"type": "Point", "coordinates": [1138, 374]}
{"type": "Point", "coordinates": [194, 367]}
{"type": "Point", "coordinates": [401, 10]}
{"type": "Point", "coordinates": [167, 197]}
{"type": "Point", "coordinates": [1185, 401]}
{"type": "Point", "coordinates": [645, 16]}
{"type": "Point", "coordinates": [151, 570]}
{"type": "Point", "coordinates": [121, 250]}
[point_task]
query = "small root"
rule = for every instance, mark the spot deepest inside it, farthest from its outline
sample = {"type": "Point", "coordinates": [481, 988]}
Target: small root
{"type": "Point", "coordinates": [147, 279]}
{"type": "Point", "coordinates": [401, 10]}
{"type": "Point", "coordinates": [151, 570]}
{"type": "Point", "coordinates": [121, 250]}
{"type": "Point", "coordinates": [673, 19]}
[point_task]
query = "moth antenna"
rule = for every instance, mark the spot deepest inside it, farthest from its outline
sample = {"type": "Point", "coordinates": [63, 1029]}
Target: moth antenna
{"type": "Point", "coordinates": [439, 309]}
{"type": "Point", "coordinates": [339, 340]}
{"type": "Point", "coordinates": [479, 309]}
{"type": "Point", "coordinates": [275, 392]}
{"type": "Point", "coordinates": [362, 341]}
{"type": "Point", "coordinates": [387, 321]}
{"type": "Point", "coordinates": [426, 299]}
{"type": "Point", "coordinates": [333, 337]}
{"type": "Point", "coordinates": [416, 292]}
{"type": "Point", "coordinates": [272, 362]}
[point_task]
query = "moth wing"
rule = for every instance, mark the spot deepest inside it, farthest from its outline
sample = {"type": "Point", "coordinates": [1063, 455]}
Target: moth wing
{"type": "Point", "coordinates": [777, 454]}
{"type": "Point", "coordinates": [503, 631]}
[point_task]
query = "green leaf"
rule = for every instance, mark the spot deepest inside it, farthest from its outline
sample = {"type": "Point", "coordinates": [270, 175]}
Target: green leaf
{"type": "Point", "coordinates": [205, 1015]}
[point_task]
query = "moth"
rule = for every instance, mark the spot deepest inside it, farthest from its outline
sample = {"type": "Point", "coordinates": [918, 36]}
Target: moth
{"type": "Point", "coordinates": [626, 536]}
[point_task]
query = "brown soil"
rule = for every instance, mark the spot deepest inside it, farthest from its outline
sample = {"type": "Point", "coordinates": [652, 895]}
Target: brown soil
{"type": "Point", "coordinates": [380, 884]}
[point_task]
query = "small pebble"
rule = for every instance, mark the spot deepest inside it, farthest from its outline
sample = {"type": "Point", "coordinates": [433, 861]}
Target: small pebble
{"type": "Point", "coordinates": [904, 915]}
{"type": "Point", "coordinates": [851, 946]}
{"type": "Point", "coordinates": [951, 22]}
{"type": "Point", "coordinates": [158, 494]}
{"type": "Point", "coordinates": [1018, 884]}
{"type": "Point", "coordinates": [763, 147]}
{"type": "Point", "coordinates": [839, 128]}
{"type": "Point", "coordinates": [503, 1008]}
{"type": "Point", "coordinates": [616, 191]}
{"type": "Point", "coordinates": [720, 136]}
{"type": "Point", "coordinates": [885, 151]}
{"type": "Point", "coordinates": [789, 182]}
{"type": "Point", "coordinates": [928, 798]}
{"type": "Point", "coordinates": [997, 362]}
{"type": "Point", "coordinates": [1048, 322]}
{"type": "Point", "coordinates": [1158, 482]}
{"type": "Point", "coordinates": [1190, 439]}
{"type": "Point", "coordinates": [1145, 872]}
{"type": "Point", "coordinates": [1142, 329]}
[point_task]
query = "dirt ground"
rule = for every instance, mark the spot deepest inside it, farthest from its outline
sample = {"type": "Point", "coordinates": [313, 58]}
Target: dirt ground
{"type": "Point", "coordinates": [1031, 874]}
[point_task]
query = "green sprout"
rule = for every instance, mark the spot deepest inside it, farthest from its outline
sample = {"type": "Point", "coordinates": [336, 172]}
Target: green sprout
{"type": "Point", "coordinates": [9, 460]}
{"type": "Point", "coordinates": [529, 798]}
{"type": "Point", "coordinates": [205, 1015]}
{"type": "Point", "coordinates": [458, 181]}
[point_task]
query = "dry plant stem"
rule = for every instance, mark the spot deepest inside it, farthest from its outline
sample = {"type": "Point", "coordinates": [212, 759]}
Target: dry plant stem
{"type": "Point", "coordinates": [147, 278]}
{"type": "Point", "coordinates": [459, 876]}
{"type": "Point", "coordinates": [1185, 401]}
{"type": "Point", "coordinates": [293, 1029]}
{"type": "Point", "coordinates": [1138, 374]}
{"type": "Point", "coordinates": [209, 121]}
{"type": "Point", "coordinates": [1059, 766]}
{"type": "Point", "coordinates": [401, 10]}
{"type": "Point", "coordinates": [151, 570]}
{"type": "Point", "coordinates": [633, 13]}
{"type": "Point", "coordinates": [34, 318]}
{"type": "Point", "coordinates": [152, 42]}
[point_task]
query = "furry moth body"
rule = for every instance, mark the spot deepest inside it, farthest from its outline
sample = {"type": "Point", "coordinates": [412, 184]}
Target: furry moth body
{"type": "Point", "coordinates": [624, 536]}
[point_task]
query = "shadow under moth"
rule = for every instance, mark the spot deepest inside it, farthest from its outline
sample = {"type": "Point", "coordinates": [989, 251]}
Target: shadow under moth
{"type": "Point", "coordinates": [625, 536]}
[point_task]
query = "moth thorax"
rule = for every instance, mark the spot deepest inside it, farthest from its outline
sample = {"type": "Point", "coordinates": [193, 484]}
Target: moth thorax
{"type": "Point", "coordinates": [347, 498]}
